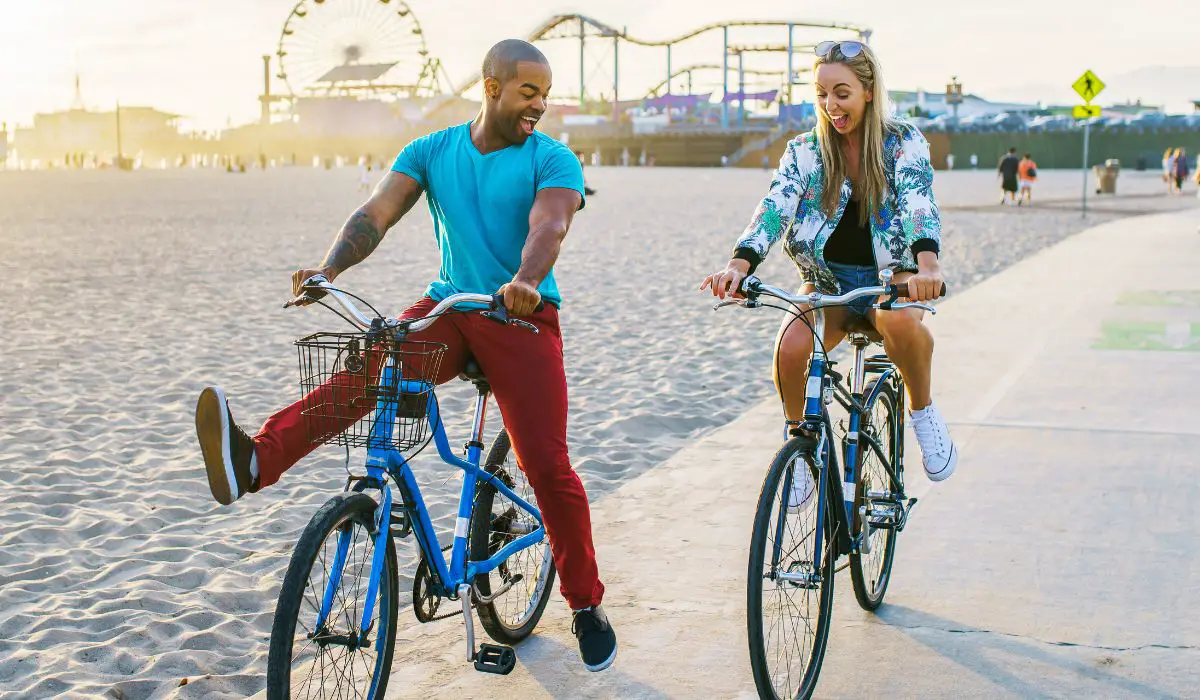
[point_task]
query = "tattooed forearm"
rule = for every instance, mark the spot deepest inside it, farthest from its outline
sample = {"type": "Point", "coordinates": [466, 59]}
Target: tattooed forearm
{"type": "Point", "coordinates": [358, 239]}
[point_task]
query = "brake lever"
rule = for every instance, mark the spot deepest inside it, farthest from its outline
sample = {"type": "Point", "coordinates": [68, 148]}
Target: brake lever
{"type": "Point", "coordinates": [524, 324]}
{"type": "Point", "coordinates": [745, 303]}
{"type": "Point", "coordinates": [914, 305]}
{"type": "Point", "coordinates": [311, 282]}
{"type": "Point", "coordinates": [297, 300]}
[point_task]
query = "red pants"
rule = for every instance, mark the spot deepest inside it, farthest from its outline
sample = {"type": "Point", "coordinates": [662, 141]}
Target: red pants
{"type": "Point", "coordinates": [527, 376]}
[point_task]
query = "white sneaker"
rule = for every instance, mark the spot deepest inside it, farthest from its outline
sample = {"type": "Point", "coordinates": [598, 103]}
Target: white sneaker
{"type": "Point", "coordinates": [938, 452]}
{"type": "Point", "coordinates": [803, 487]}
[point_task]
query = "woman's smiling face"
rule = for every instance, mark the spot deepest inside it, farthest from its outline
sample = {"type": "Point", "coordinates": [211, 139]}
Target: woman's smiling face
{"type": "Point", "coordinates": [841, 96]}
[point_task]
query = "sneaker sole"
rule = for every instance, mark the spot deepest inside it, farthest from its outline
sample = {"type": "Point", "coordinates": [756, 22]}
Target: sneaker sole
{"type": "Point", "coordinates": [212, 429]}
{"type": "Point", "coordinates": [945, 472]}
{"type": "Point", "coordinates": [604, 664]}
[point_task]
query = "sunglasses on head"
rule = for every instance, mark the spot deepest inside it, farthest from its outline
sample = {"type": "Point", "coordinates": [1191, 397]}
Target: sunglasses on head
{"type": "Point", "coordinates": [848, 49]}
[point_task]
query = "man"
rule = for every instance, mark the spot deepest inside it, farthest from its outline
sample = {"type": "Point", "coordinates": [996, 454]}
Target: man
{"type": "Point", "coordinates": [1009, 165]}
{"type": "Point", "coordinates": [1027, 173]}
{"type": "Point", "coordinates": [502, 197]}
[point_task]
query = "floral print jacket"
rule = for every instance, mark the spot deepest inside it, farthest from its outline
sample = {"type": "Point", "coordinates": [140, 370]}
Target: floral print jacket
{"type": "Point", "coordinates": [907, 222]}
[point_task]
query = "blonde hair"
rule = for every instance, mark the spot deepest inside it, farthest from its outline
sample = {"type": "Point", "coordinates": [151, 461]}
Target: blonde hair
{"type": "Point", "coordinates": [872, 182]}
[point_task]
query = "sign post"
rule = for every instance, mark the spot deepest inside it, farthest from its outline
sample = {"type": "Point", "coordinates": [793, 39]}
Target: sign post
{"type": "Point", "coordinates": [1087, 86]}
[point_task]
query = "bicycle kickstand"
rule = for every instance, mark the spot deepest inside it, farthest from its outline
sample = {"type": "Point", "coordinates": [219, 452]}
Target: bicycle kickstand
{"type": "Point", "coordinates": [488, 658]}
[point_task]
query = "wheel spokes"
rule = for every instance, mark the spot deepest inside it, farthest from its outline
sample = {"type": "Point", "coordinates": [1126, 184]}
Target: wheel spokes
{"type": "Point", "coordinates": [336, 659]}
{"type": "Point", "coordinates": [790, 610]}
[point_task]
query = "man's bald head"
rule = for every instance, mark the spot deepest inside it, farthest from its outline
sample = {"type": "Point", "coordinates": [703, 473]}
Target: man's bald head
{"type": "Point", "coordinates": [502, 59]}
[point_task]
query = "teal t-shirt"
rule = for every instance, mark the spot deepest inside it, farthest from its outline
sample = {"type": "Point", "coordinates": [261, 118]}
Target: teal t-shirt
{"type": "Point", "coordinates": [480, 204]}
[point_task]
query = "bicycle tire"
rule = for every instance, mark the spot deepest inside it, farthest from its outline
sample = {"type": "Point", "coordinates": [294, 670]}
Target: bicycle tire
{"type": "Point", "coordinates": [346, 509]}
{"type": "Point", "coordinates": [796, 451]}
{"type": "Point", "coordinates": [872, 573]}
{"type": "Point", "coordinates": [514, 615]}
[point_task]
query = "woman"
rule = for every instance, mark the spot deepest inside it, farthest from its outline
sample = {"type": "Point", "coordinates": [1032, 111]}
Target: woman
{"type": "Point", "coordinates": [853, 196]}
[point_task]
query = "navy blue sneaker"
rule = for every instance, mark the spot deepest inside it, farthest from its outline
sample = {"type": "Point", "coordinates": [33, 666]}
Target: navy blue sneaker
{"type": "Point", "coordinates": [597, 641]}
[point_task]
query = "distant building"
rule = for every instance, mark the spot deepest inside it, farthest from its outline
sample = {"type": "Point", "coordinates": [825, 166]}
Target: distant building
{"type": "Point", "coordinates": [933, 104]}
{"type": "Point", "coordinates": [81, 131]}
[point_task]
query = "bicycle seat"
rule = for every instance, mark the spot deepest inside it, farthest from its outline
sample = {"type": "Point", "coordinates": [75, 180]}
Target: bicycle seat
{"type": "Point", "coordinates": [863, 327]}
{"type": "Point", "coordinates": [472, 372]}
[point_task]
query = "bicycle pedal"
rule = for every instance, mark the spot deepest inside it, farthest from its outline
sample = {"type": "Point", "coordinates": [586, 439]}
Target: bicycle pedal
{"type": "Point", "coordinates": [885, 513]}
{"type": "Point", "coordinates": [494, 658]}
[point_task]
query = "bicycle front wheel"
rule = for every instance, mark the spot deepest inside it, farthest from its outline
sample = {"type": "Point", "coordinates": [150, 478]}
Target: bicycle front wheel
{"type": "Point", "coordinates": [334, 658]}
{"type": "Point", "coordinates": [788, 620]}
{"type": "Point", "coordinates": [528, 575]}
{"type": "Point", "coordinates": [871, 566]}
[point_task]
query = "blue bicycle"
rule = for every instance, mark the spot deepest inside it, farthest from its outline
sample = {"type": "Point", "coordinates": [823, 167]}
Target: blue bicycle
{"type": "Point", "coordinates": [335, 621]}
{"type": "Point", "coordinates": [808, 517]}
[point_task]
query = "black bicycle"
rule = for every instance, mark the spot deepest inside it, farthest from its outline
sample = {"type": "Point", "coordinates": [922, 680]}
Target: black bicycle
{"type": "Point", "coordinates": [808, 517]}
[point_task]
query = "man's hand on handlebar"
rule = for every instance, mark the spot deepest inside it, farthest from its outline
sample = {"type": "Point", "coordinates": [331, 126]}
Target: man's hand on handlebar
{"type": "Point", "coordinates": [520, 298]}
{"type": "Point", "coordinates": [299, 277]}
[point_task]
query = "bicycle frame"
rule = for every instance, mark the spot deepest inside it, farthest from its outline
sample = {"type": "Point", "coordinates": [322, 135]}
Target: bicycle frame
{"type": "Point", "coordinates": [820, 389]}
{"type": "Point", "coordinates": [383, 462]}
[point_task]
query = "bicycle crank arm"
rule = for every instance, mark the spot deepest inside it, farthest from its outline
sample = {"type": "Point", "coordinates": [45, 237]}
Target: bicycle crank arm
{"type": "Point", "coordinates": [464, 595]}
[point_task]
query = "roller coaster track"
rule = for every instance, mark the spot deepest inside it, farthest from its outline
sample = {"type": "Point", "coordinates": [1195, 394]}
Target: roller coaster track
{"type": "Point", "coordinates": [571, 26]}
{"type": "Point", "coordinates": [653, 92]}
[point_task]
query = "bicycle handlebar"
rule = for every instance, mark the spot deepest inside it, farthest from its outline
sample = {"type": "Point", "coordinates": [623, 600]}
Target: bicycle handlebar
{"type": "Point", "coordinates": [494, 302]}
{"type": "Point", "coordinates": [752, 287]}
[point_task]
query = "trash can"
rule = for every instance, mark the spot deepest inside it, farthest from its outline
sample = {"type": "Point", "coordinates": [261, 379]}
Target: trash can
{"type": "Point", "coordinates": [1106, 176]}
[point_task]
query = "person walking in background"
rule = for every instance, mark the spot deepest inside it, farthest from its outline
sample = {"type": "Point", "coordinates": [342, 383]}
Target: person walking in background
{"type": "Point", "coordinates": [364, 180]}
{"type": "Point", "coordinates": [1168, 169]}
{"type": "Point", "coordinates": [1007, 169]}
{"type": "Point", "coordinates": [586, 189]}
{"type": "Point", "coordinates": [1180, 169]}
{"type": "Point", "coordinates": [974, 162]}
{"type": "Point", "coordinates": [1027, 174]}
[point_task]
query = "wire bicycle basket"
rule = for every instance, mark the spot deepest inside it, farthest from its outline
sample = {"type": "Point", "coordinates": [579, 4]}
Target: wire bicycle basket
{"type": "Point", "coordinates": [354, 386]}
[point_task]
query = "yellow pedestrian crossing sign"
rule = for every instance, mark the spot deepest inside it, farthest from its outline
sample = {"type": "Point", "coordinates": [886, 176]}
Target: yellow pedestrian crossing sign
{"type": "Point", "coordinates": [1088, 86]}
{"type": "Point", "coordinates": [1085, 111]}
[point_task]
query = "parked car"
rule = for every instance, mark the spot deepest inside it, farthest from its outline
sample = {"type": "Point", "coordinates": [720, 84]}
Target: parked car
{"type": "Point", "coordinates": [1057, 122]}
{"type": "Point", "coordinates": [1007, 121]}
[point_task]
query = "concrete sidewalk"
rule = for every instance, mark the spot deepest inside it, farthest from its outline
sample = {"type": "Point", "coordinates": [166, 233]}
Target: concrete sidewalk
{"type": "Point", "coordinates": [1061, 561]}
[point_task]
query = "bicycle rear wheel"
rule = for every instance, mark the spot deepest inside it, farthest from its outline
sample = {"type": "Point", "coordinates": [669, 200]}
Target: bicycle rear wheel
{"type": "Point", "coordinates": [870, 572]}
{"type": "Point", "coordinates": [332, 660]}
{"type": "Point", "coordinates": [788, 622]}
{"type": "Point", "coordinates": [496, 521]}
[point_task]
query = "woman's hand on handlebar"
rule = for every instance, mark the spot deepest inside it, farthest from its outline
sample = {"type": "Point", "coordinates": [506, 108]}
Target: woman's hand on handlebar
{"type": "Point", "coordinates": [299, 277]}
{"type": "Point", "coordinates": [928, 283]}
{"type": "Point", "coordinates": [727, 282]}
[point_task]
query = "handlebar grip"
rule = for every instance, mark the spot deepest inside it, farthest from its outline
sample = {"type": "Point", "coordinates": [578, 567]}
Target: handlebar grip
{"type": "Point", "coordinates": [902, 290]}
{"type": "Point", "coordinates": [498, 304]}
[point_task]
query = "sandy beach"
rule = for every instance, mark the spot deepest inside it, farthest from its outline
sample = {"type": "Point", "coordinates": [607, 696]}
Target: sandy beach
{"type": "Point", "coordinates": [128, 292]}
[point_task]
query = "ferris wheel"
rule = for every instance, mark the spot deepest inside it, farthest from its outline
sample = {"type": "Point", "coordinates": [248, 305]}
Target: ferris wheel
{"type": "Point", "coordinates": [349, 46]}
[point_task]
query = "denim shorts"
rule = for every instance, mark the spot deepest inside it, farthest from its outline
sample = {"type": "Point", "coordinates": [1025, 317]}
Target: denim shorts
{"type": "Point", "coordinates": [851, 277]}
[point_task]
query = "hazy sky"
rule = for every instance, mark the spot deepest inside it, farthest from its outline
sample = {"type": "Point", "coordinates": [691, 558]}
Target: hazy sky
{"type": "Point", "coordinates": [201, 58]}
